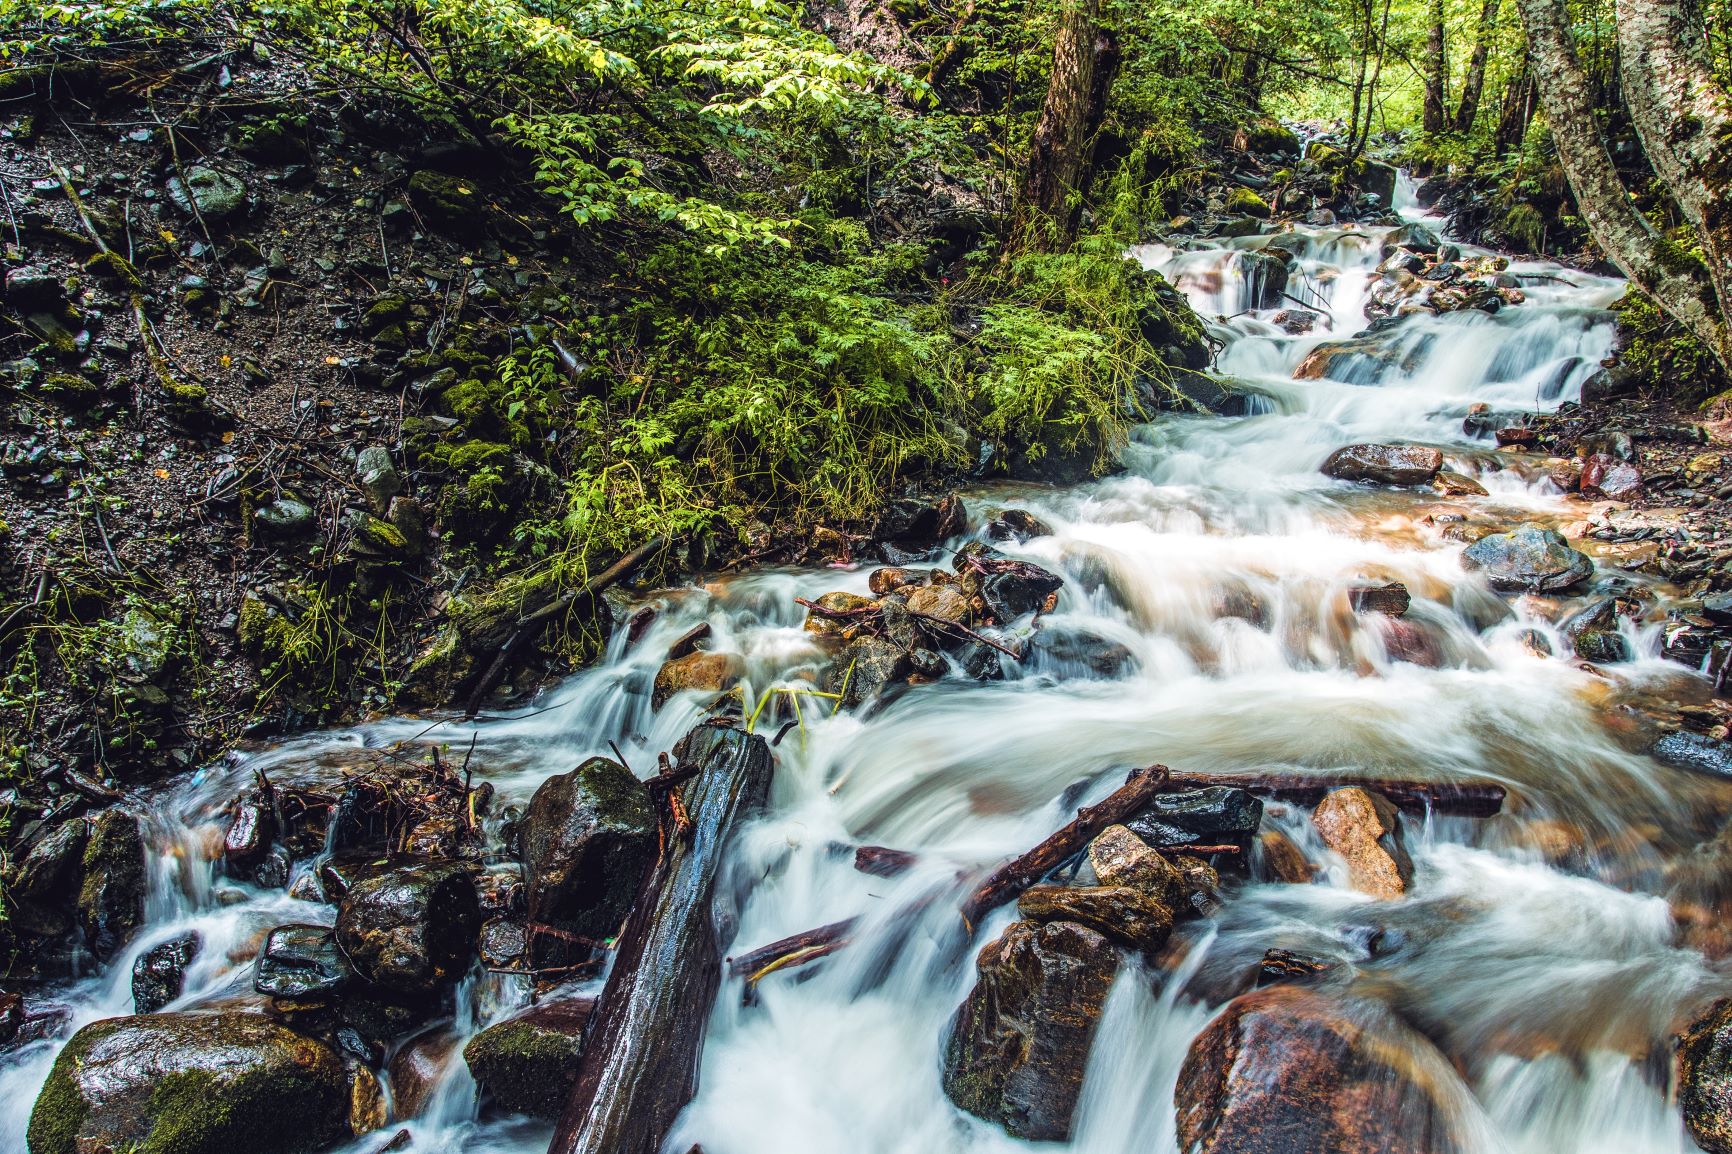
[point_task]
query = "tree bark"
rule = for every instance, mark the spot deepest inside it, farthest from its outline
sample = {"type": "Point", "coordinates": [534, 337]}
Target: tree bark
{"type": "Point", "coordinates": [1083, 56]}
{"type": "Point", "coordinates": [1517, 111]}
{"type": "Point", "coordinates": [1683, 116]}
{"type": "Point", "coordinates": [1473, 84]}
{"type": "Point", "coordinates": [640, 1058]}
{"type": "Point", "coordinates": [1683, 290]}
{"type": "Point", "coordinates": [1466, 798]}
{"type": "Point", "coordinates": [1436, 73]}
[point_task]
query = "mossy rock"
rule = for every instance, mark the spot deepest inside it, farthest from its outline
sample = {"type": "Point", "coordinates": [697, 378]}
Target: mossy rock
{"type": "Point", "coordinates": [1266, 134]}
{"type": "Point", "coordinates": [527, 1064]}
{"type": "Point", "coordinates": [1242, 201]}
{"type": "Point", "coordinates": [448, 203]}
{"type": "Point", "coordinates": [111, 896]}
{"type": "Point", "coordinates": [191, 1084]}
{"type": "Point", "coordinates": [72, 389]}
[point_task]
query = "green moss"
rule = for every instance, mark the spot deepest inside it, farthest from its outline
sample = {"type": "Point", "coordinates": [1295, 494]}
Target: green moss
{"type": "Point", "coordinates": [71, 387]}
{"type": "Point", "coordinates": [527, 1068]}
{"type": "Point", "coordinates": [1524, 226]}
{"type": "Point", "coordinates": [1243, 200]}
{"type": "Point", "coordinates": [115, 267]}
{"type": "Point", "coordinates": [58, 1117]}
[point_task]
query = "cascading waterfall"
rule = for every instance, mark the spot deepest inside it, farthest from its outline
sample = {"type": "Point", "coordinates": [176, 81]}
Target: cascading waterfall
{"type": "Point", "coordinates": [1549, 989]}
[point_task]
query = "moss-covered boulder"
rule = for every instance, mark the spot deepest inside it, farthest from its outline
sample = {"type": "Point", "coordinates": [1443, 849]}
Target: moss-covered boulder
{"type": "Point", "coordinates": [527, 1064]}
{"type": "Point", "coordinates": [111, 896]}
{"type": "Point", "coordinates": [411, 930]}
{"type": "Point", "coordinates": [191, 1084]}
{"type": "Point", "coordinates": [1242, 201]}
{"type": "Point", "coordinates": [588, 836]}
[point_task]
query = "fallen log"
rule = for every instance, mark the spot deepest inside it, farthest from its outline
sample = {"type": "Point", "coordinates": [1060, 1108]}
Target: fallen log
{"type": "Point", "coordinates": [640, 1058]}
{"type": "Point", "coordinates": [794, 950]}
{"type": "Point", "coordinates": [1010, 879]}
{"type": "Point", "coordinates": [1463, 798]}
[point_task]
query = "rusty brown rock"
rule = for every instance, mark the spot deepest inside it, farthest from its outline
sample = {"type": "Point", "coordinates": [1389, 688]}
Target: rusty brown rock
{"type": "Point", "coordinates": [1127, 916]}
{"type": "Point", "coordinates": [1283, 860]}
{"type": "Point", "coordinates": [889, 580]}
{"type": "Point", "coordinates": [945, 602]}
{"type": "Point", "coordinates": [1121, 858]}
{"type": "Point", "coordinates": [1453, 484]}
{"type": "Point", "coordinates": [1704, 1068]}
{"type": "Point", "coordinates": [1384, 464]}
{"type": "Point", "coordinates": [1365, 829]}
{"type": "Point", "coordinates": [702, 671]}
{"type": "Point", "coordinates": [1291, 1070]}
{"type": "Point", "coordinates": [1603, 475]}
{"type": "Point", "coordinates": [1020, 1042]}
{"type": "Point", "coordinates": [416, 1069]}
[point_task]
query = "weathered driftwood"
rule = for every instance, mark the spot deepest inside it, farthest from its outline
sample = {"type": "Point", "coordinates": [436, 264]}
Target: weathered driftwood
{"type": "Point", "coordinates": [1017, 874]}
{"type": "Point", "coordinates": [640, 1057]}
{"type": "Point", "coordinates": [794, 950]}
{"type": "Point", "coordinates": [1466, 798]}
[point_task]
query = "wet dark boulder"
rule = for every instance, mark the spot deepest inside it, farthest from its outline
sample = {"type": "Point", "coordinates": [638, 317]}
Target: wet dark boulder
{"type": "Point", "coordinates": [1704, 1071]}
{"type": "Point", "coordinates": [1265, 275]}
{"type": "Point", "coordinates": [1216, 815]}
{"type": "Point", "coordinates": [191, 1084]}
{"type": "Point", "coordinates": [42, 888]}
{"type": "Point", "coordinates": [111, 895]}
{"type": "Point", "coordinates": [1384, 464]}
{"type": "Point", "coordinates": [1413, 237]}
{"type": "Point", "coordinates": [301, 961]}
{"type": "Point", "coordinates": [249, 834]}
{"type": "Point", "coordinates": [1593, 632]}
{"type": "Point", "coordinates": [527, 1063]}
{"type": "Point", "coordinates": [411, 929]}
{"type": "Point", "coordinates": [1072, 653]}
{"type": "Point", "coordinates": [159, 974]}
{"type": "Point", "coordinates": [1128, 916]}
{"type": "Point", "coordinates": [914, 527]}
{"type": "Point", "coordinates": [1020, 1042]}
{"type": "Point", "coordinates": [588, 837]}
{"type": "Point", "coordinates": [1017, 525]}
{"type": "Point", "coordinates": [1530, 559]}
{"type": "Point", "coordinates": [1392, 599]}
{"type": "Point", "coordinates": [1695, 752]}
{"type": "Point", "coordinates": [416, 1070]}
{"type": "Point", "coordinates": [1290, 1068]}
{"type": "Point", "coordinates": [1011, 589]}
{"type": "Point", "coordinates": [865, 668]}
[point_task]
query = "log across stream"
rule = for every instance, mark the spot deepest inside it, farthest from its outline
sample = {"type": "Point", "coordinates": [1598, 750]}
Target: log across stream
{"type": "Point", "coordinates": [1533, 950]}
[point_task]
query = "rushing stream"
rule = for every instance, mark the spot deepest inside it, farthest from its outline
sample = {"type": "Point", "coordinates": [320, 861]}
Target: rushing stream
{"type": "Point", "coordinates": [1549, 981]}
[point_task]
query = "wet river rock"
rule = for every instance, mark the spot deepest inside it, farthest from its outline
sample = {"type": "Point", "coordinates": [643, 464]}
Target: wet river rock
{"type": "Point", "coordinates": [702, 671]}
{"type": "Point", "coordinates": [159, 974]}
{"type": "Point", "coordinates": [191, 1084]}
{"type": "Point", "coordinates": [866, 667]}
{"type": "Point", "coordinates": [300, 961]}
{"type": "Point", "coordinates": [411, 929]}
{"type": "Point", "coordinates": [1217, 815]}
{"type": "Point", "coordinates": [1530, 559]}
{"type": "Point", "coordinates": [1120, 858]}
{"type": "Point", "coordinates": [1290, 1070]}
{"type": "Point", "coordinates": [416, 1070]}
{"type": "Point", "coordinates": [1364, 827]}
{"type": "Point", "coordinates": [527, 1063]}
{"type": "Point", "coordinates": [1384, 464]}
{"type": "Point", "coordinates": [588, 837]}
{"type": "Point", "coordinates": [1704, 1070]}
{"type": "Point", "coordinates": [1020, 1042]}
{"type": "Point", "coordinates": [1127, 916]}
{"type": "Point", "coordinates": [111, 896]}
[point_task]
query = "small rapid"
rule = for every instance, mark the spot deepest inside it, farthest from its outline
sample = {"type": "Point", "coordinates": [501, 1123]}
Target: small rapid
{"type": "Point", "coordinates": [1215, 568]}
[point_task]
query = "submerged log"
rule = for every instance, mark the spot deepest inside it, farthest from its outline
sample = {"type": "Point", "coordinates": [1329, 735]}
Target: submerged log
{"type": "Point", "coordinates": [1463, 798]}
{"type": "Point", "coordinates": [640, 1060]}
{"type": "Point", "coordinates": [794, 950]}
{"type": "Point", "coordinates": [1016, 875]}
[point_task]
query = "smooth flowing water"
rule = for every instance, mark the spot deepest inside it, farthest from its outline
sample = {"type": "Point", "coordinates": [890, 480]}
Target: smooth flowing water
{"type": "Point", "coordinates": [1549, 981]}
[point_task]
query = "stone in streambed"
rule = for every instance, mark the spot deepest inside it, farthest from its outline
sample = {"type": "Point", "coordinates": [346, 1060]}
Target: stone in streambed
{"type": "Point", "coordinates": [300, 961]}
{"type": "Point", "coordinates": [1017, 525]}
{"type": "Point", "coordinates": [1604, 475]}
{"type": "Point", "coordinates": [1529, 559]}
{"type": "Point", "coordinates": [1283, 860]}
{"type": "Point", "coordinates": [1392, 599]}
{"type": "Point", "coordinates": [1704, 1072]}
{"type": "Point", "coordinates": [1384, 464]}
{"type": "Point", "coordinates": [1019, 1044]}
{"type": "Point", "coordinates": [1693, 751]}
{"type": "Point", "coordinates": [159, 973]}
{"type": "Point", "coordinates": [111, 896]}
{"type": "Point", "coordinates": [588, 837]}
{"type": "Point", "coordinates": [702, 671]}
{"type": "Point", "coordinates": [1120, 858]}
{"type": "Point", "coordinates": [1217, 815]}
{"type": "Point", "coordinates": [1452, 484]}
{"type": "Point", "coordinates": [412, 929]}
{"type": "Point", "coordinates": [865, 668]}
{"type": "Point", "coordinates": [191, 1084]}
{"type": "Point", "coordinates": [1127, 916]}
{"type": "Point", "coordinates": [1364, 827]}
{"type": "Point", "coordinates": [527, 1063]}
{"type": "Point", "coordinates": [416, 1069]}
{"type": "Point", "coordinates": [1291, 1069]}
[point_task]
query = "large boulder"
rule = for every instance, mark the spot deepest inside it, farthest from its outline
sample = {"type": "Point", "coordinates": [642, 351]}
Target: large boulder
{"type": "Point", "coordinates": [527, 1063]}
{"type": "Point", "coordinates": [411, 929]}
{"type": "Point", "coordinates": [1019, 1044]}
{"type": "Point", "coordinates": [1384, 464]}
{"type": "Point", "coordinates": [1288, 1069]}
{"type": "Point", "coordinates": [588, 837]}
{"type": "Point", "coordinates": [1705, 1078]}
{"type": "Point", "coordinates": [191, 1084]}
{"type": "Point", "coordinates": [416, 1070]}
{"type": "Point", "coordinates": [111, 896]}
{"type": "Point", "coordinates": [1364, 827]}
{"type": "Point", "coordinates": [1530, 559]}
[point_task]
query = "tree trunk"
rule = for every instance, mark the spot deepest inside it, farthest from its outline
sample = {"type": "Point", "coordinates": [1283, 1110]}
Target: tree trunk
{"type": "Point", "coordinates": [1473, 85]}
{"type": "Point", "coordinates": [1683, 116]}
{"type": "Point", "coordinates": [1681, 289]}
{"type": "Point", "coordinates": [640, 1058]}
{"type": "Point", "coordinates": [1518, 110]}
{"type": "Point", "coordinates": [1058, 160]}
{"type": "Point", "coordinates": [1436, 73]}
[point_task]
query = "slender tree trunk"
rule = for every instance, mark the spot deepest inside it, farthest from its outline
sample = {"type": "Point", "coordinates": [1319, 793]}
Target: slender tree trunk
{"type": "Point", "coordinates": [1683, 116]}
{"type": "Point", "coordinates": [1518, 110]}
{"type": "Point", "coordinates": [1436, 73]}
{"type": "Point", "coordinates": [1083, 58]}
{"type": "Point", "coordinates": [1382, 42]}
{"type": "Point", "coordinates": [1623, 234]}
{"type": "Point", "coordinates": [1473, 85]}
